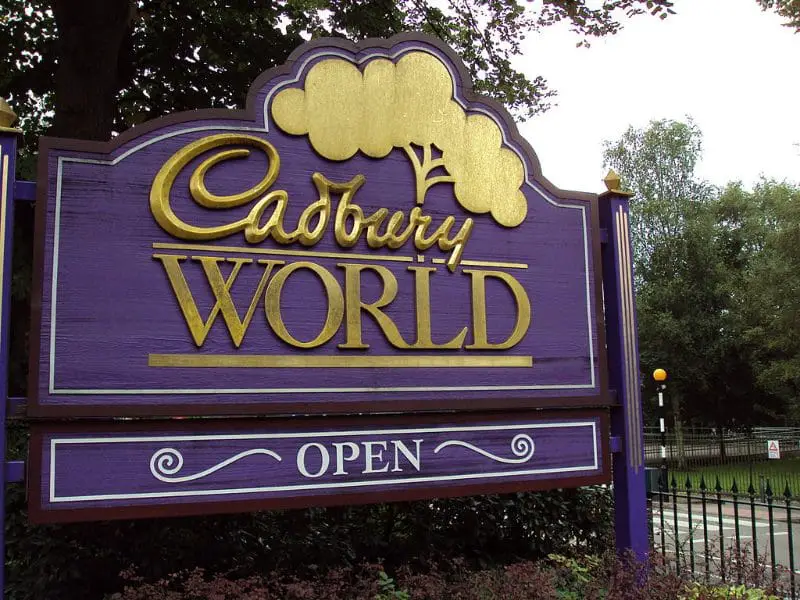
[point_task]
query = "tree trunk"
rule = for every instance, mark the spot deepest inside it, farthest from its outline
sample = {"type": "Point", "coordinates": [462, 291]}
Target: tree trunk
{"type": "Point", "coordinates": [676, 412]}
{"type": "Point", "coordinates": [91, 34]}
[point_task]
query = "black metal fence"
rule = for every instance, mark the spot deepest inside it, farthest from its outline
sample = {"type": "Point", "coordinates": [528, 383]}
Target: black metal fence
{"type": "Point", "coordinates": [740, 456]}
{"type": "Point", "coordinates": [724, 534]}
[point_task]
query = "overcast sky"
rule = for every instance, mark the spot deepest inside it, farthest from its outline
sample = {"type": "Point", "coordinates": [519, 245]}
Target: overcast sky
{"type": "Point", "coordinates": [726, 63]}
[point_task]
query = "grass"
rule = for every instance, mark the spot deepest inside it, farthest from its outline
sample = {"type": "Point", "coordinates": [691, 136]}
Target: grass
{"type": "Point", "coordinates": [779, 473]}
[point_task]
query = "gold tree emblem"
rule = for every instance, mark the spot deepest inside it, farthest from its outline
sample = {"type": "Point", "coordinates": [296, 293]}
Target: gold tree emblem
{"type": "Point", "coordinates": [405, 105]}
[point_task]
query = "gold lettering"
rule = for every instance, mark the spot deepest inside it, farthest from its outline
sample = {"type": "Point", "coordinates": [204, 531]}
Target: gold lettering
{"type": "Point", "coordinates": [372, 223]}
{"type": "Point", "coordinates": [322, 207]}
{"type": "Point", "coordinates": [345, 210]}
{"type": "Point", "coordinates": [456, 244]}
{"type": "Point", "coordinates": [220, 288]}
{"type": "Point", "coordinates": [355, 305]}
{"type": "Point", "coordinates": [165, 178]}
{"type": "Point", "coordinates": [390, 237]}
{"type": "Point", "coordinates": [423, 243]}
{"type": "Point", "coordinates": [398, 239]}
{"type": "Point", "coordinates": [333, 292]}
{"type": "Point", "coordinates": [350, 222]}
{"type": "Point", "coordinates": [480, 336]}
{"type": "Point", "coordinates": [423, 305]}
{"type": "Point", "coordinates": [274, 225]}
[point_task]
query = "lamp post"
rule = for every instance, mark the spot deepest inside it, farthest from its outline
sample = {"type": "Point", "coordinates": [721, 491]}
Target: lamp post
{"type": "Point", "coordinates": [660, 376]}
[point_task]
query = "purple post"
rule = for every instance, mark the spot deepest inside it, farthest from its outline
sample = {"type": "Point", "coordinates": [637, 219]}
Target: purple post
{"type": "Point", "coordinates": [8, 154]}
{"type": "Point", "coordinates": [630, 498]}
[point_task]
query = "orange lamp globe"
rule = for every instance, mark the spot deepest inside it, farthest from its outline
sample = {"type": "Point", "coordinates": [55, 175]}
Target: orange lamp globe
{"type": "Point", "coordinates": [660, 375]}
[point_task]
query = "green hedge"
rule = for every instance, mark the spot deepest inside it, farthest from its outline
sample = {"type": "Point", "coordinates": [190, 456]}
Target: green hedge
{"type": "Point", "coordinates": [84, 561]}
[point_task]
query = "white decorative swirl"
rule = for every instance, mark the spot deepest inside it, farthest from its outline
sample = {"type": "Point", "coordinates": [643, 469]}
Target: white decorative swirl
{"type": "Point", "coordinates": [521, 445]}
{"type": "Point", "coordinates": [168, 461]}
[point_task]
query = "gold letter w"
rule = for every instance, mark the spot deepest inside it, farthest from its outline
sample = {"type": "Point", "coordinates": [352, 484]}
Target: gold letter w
{"type": "Point", "coordinates": [221, 289]}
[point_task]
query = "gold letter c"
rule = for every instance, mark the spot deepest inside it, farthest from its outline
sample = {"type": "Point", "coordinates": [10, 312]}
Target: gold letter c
{"type": "Point", "coordinates": [165, 178]}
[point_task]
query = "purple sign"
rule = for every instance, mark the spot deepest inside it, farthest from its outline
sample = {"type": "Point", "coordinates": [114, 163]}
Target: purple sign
{"type": "Point", "coordinates": [367, 236]}
{"type": "Point", "coordinates": [191, 467]}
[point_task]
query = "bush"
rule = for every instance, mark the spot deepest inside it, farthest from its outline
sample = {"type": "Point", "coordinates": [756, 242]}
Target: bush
{"type": "Point", "coordinates": [83, 561]}
{"type": "Point", "coordinates": [727, 592]}
{"type": "Point", "coordinates": [556, 578]}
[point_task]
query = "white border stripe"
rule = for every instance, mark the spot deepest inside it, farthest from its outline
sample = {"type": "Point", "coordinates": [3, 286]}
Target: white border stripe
{"type": "Point", "coordinates": [463, 388]}
{"type": "Point", "coordinates": [302, 434]}
{"type": "Point", "coordinates": [291, 488]}
{"type": "Point", "coordinates": [54, 289]}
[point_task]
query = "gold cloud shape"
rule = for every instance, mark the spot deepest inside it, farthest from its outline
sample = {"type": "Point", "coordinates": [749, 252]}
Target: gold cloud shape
{"type": "Point", "coordinates": [404, 105]}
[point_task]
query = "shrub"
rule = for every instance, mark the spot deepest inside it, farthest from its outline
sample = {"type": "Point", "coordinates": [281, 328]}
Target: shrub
{"type": "Point", "coordinates": [726, 592]}
{"type": "Point", "coordinates": [557, 578]}
{"type": "Point", "coordinates": [82, 561]}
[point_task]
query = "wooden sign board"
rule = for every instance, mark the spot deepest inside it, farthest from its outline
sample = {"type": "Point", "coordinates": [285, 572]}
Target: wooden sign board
{"type": "Point", "coordinates": [367, 235]}
{"type": "Point", "coordinates": [126, 470]}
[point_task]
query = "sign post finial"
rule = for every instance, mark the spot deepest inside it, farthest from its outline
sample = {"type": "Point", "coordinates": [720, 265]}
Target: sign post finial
{"type": "Point", "coordinates": [7, 117]}
{"type": "Point", "coordinates": [7, 114]}
{"type": "Point", "coordinates": [613, 182]}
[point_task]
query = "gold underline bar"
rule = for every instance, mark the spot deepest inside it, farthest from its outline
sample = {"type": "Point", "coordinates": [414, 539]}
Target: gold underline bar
{"type": "Point", "coordinates": [336, 361]}
{"type": "Point", "coordinates": [213, 248]}
{"type": "Point", "coordinates": [484, 263]}
{"type": "Point", "coordinates": [311, 253]}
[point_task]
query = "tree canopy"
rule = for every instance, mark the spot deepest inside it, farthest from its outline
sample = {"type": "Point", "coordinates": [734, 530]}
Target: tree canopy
{"type": "Point", "coordinates": [88, 68]}
{"type": "Point", "coordinates": [765, 231]}
{"type": "Point", "coordinates": [714, 271]}
{"type": "Point", "coordinates": [788, 9]}
{"type": "Point", "coordinates": [657, 163]}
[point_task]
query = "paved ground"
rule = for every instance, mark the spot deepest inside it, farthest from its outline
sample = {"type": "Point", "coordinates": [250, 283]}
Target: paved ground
{"type": "Point", "coordinates": [710, 542]}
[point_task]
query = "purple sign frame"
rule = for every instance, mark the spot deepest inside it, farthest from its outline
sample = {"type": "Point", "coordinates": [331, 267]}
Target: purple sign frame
{"type": "Point", "coordinates": [128, 470]}
{"type": "Point", "coordinates": [114, 334]}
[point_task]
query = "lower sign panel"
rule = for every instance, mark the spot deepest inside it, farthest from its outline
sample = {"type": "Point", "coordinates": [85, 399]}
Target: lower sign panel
{"type": "Point", "coordinates": [181, 467]}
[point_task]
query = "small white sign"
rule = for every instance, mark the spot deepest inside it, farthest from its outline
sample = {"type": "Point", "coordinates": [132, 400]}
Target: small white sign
{"type": "Point", "coordinates": [774, 449]}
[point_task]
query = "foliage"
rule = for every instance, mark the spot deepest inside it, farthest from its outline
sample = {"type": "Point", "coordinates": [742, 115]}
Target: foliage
{"type": "Point", "coordinates": [575, 575]}
{"type": "Point", "coordinates": [766, 223]}
{"type": "Point", "coordinates": [82, 560]}
{"type": "Point", "coordinates": [388, 590]}
{"type": "Point", "coordinates": [708, 265]}
{"type": "Point", "coordinates": [727, 592]}
{"type": "Point", "coordinates": [788, 9]}
{"type": "Point", "coordinates": [657, 164]}
{"type": "Point", "coordinates": [677, 277]}
{"type": "Point", "coordinates": [163, 57]}
{"type": "Point", "coordinates": [560, 578]}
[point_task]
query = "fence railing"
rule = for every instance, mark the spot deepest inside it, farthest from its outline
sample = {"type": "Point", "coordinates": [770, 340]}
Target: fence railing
{"type": "Point", "coordinates": [727, 534]}
{"type": "Point", "coordinates": [733, 456]}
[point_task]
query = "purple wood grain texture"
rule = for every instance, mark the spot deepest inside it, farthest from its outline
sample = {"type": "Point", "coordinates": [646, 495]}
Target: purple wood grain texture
{"type": "Point", "coordinates": [8, 470]}
{"type": "Point", "coordinates": [105, 304]}
{"type": "Point", "coordinates": [630, 496]}
{"type": "Point", "coordinates": [97, 471]}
